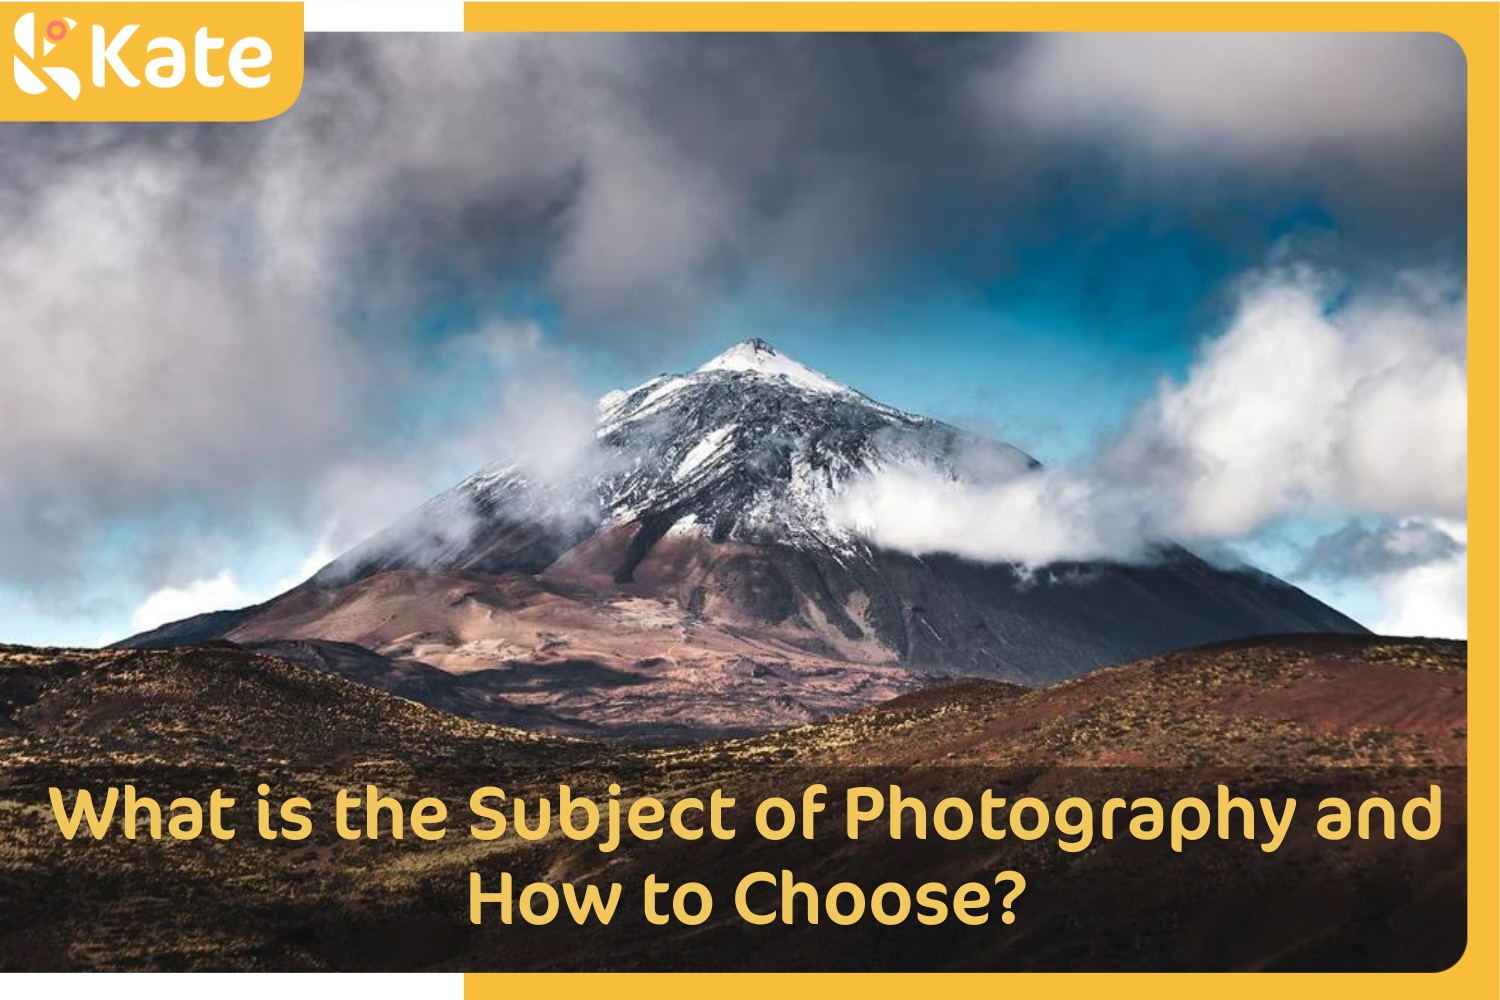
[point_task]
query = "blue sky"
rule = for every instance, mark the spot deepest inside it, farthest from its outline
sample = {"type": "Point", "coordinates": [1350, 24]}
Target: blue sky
{"type": "Point", "coordinates": [1025, 235]}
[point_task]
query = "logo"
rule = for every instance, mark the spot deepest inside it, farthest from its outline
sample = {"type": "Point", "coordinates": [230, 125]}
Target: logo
{"type": "Point", "coordinates": [25, 69]}
{"type": "Point", "coordinates": [152, 61]}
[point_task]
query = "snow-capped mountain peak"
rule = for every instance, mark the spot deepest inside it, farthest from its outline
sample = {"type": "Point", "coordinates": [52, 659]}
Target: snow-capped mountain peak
{"type": "Point", "coordinates": [751, 447]}
{"type": "Point", "coordinates": [758, 357]}
{"type": "Point", "coordinates": [717, 498]}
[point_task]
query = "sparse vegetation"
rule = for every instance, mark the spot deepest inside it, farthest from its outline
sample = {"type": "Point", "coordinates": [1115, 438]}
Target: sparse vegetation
{"type": "Point", "coordinates": [1314, 713]}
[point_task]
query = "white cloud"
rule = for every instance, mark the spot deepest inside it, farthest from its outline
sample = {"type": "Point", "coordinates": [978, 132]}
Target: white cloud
{"type": "Point", "coordinates": [222, 591]}
{"type": "Point", "coordinates": [1313, 400]}
{"type": "Point", "coordinates": [1316, 398]}
{"type": "Point", "coordinates": [1030, 518]}
{"type": "Point", "coordinates": [1430, 599]}
{"type": "Point", "coordinates": [169, 604]}
{"type": "Point", "coordinates": [315, 560]}
{"type": "Point", "coordinates": [544, 422]}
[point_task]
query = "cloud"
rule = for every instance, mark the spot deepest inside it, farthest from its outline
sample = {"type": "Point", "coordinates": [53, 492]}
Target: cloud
{"type": "Point", "coordinates": [1317, 397]}
{"type": "Point", "coordinates": [533, 419]}
{"type": "Point", "coordinates": [216, 332]}
{"type": "Point", "coordinates": [1428, 598]}
{"type": "Point", "coordinates": [1314, 399]}
{"type": "Point", "coordinates": [174, 603]}
{"type": "Point", "coordinates": [543, 422]}
{"type": "Point", "coordinates": [237, 320]}
{"type": "Point", "coordinates": [1264, 94]}
{"type": "Point", "coordinates": [1028, 518]}
{"type": "Point", "coordinates": [224, 590]}
{"type": "Point", "coordinates": [534, 446]}
{"type": "Point", "coordinates": [1359, 550]}
{"type": "Point", "coordinates": [149, 359]}
{"type": "Point", "coordinates": [1320, 106]}
{"type": "Point", "coordinates": [1416, 568]}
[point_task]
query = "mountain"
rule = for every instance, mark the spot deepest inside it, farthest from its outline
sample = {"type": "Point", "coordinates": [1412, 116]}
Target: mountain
{"type": "Point", "coordinates": [1305, 716]}
{"type": "Point", "coordinates": [697, 577]}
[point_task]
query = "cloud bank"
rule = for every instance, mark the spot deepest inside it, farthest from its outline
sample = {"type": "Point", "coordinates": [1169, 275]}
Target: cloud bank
{"type": "Point", "coordinates": [215, 335]}
{"type": "Point", "coordinates": [1314, 399]}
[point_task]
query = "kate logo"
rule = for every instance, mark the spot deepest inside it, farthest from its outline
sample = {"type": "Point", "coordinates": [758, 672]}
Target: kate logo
{"type": "Point", "coordinates": [86, 61]}
{"type": "Point", "coordinates": [24, 65]}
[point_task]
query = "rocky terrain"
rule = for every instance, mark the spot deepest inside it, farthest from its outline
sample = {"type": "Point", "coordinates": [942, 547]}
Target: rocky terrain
{"type": "Point", "coordinates": [1308, 715]}
{"type": "Point", "coordinates": [697, 579]}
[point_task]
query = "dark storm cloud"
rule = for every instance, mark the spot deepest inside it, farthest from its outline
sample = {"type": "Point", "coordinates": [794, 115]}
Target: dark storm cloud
{"type": "Point", "coordinates": [640, 178]}
{"type": "Point", "coordinates": [1370, 124]}
{"type": "Point", "coordinates": [647, 176]}
{"type": "Point", "coordinates": [226, 318]}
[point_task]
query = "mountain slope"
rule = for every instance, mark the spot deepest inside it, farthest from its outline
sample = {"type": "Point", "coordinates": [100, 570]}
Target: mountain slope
{"type": "Point", "coordinates": [702, 564]}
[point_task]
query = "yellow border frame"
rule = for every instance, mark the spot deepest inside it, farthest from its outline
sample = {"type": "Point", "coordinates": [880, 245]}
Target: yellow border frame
{"type": "Point", "coordinates": [1476, 28]}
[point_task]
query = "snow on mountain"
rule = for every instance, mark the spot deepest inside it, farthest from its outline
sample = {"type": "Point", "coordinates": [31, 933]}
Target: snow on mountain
{"type": "Point", "coordinates": [755, 446]}
{"type": "Point", "coordinates": [704, 450]}
{"type": "Point", "coordinates": [758, 357]}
